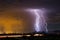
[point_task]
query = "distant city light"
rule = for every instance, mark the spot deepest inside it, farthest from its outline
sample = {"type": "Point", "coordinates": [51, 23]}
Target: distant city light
{"type": "Point", "coordinates": [15, 36]}
{"type": "Point", "coordinates": [41, 35]}
{"type": "Point", "coordinates": [28, 35]}
{"type": "Point", "coordinates": [36, 34]}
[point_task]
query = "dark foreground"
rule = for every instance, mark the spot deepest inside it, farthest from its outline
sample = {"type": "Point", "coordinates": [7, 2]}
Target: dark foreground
{"type": "Point", "coordinates": [31, 36]}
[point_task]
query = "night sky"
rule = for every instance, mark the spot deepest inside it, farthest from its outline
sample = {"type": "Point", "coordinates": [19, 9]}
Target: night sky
{"type": "Point", "coordinates": [11, 10]}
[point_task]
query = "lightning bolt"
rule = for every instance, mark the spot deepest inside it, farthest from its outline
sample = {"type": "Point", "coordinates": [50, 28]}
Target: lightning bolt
{"type": "Point", "coordinates": [37, 28]}
{"type": "Point", "coordinates": [40, 22]}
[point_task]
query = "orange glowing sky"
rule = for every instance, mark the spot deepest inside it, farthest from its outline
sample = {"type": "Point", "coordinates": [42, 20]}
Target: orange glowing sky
{"type": "Point", "coordinates": [8, 22]}
{"type": "Point", "coordinates": [8, 19]}
{"type": "Point", "coordinates": [15, 20]}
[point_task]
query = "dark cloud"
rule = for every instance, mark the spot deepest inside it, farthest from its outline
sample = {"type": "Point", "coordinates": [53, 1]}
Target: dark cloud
{"type": "Point", "coordinates": [12, 7]}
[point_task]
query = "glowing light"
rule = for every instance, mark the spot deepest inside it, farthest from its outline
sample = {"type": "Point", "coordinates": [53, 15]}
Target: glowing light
{"type": "Point", "coordinates": [7, 24]}
{"type": "Point", "coordinates": [36, 34]}
{"type": "Point", "coordinates": [28, 35]}
{"type": "Point", "coordinates": [15, 36]}
{"type": "Point", "coordinates": [41, 35]}
{"type": "Point", "coordinates": [39, 21]}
